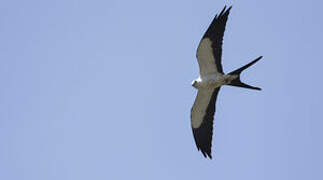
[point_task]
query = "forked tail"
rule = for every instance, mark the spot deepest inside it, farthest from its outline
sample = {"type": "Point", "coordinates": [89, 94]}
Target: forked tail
{"type": "Point", "coordinates": [237, 82]}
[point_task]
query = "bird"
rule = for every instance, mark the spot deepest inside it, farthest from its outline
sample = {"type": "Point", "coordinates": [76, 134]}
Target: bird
{"type": "Point", "coordinates": [211, 79]}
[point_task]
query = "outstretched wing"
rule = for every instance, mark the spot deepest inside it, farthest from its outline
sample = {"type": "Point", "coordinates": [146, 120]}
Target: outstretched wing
{"type": "Point", "coordinates": [209, 51]}
{"type": "Point", "coordinates": [202, 115]}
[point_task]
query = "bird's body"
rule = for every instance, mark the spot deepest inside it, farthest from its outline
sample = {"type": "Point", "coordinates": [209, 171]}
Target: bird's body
{"type": "Point", "coordinates": [211, 79]}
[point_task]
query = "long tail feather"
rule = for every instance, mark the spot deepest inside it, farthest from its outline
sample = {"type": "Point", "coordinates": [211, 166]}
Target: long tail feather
{"type": "Point", "coordinates": [237, 82]}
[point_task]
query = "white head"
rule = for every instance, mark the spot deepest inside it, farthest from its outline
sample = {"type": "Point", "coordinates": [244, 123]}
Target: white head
{"type": "Point", "coordinates": [194, 84]}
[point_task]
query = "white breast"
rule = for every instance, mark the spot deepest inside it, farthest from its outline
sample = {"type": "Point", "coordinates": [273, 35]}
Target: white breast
{"type": "Point", "coordinates": [210, 81]}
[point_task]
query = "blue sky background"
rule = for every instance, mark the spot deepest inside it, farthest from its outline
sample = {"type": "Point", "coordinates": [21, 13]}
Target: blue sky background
{"type": "Point", "coordinates": [102, 90]}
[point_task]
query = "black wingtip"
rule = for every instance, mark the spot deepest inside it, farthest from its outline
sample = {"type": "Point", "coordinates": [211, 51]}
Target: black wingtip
{"type": "Point", "coordinates": [221, 13]}
{"type": "Point", "coordinates": [230, 7]}
{"type": "Point", "coordinates": [210, 156]}
{"type": "Point", "coordinates": [203, 154]}
{"type": "Point", "coordinates": [206, 154]}
{"type": "Point", "coordinates": [203, 140]}
{"type": "Point", "coordinates": [225, 11]}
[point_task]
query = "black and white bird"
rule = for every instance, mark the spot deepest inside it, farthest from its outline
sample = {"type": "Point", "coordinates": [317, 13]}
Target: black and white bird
{"type": "Point", "coordinates": [211, 79]}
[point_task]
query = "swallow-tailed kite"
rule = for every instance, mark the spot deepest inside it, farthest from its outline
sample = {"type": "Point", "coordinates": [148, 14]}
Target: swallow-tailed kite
{"type": "Point", "coordinates": [211, 79]}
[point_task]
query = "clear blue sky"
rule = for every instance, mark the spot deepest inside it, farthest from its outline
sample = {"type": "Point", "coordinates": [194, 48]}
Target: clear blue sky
{"type": "Point", "coordinates": [101, 90]}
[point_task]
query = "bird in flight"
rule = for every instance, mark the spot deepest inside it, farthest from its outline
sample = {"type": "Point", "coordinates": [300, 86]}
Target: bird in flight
{"type": "Point", "coordinates": [211, 79]}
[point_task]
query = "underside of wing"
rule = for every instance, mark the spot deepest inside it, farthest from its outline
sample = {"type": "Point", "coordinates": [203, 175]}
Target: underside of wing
{"type": "Point", "coordinates": [202, 116]}
{"type": "Point", "coordinates": [209, 51]}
